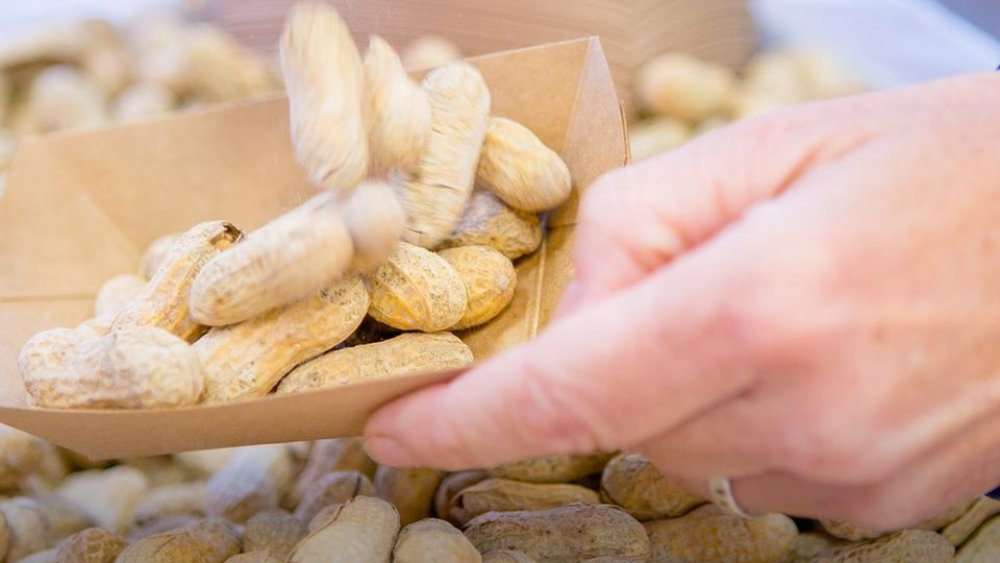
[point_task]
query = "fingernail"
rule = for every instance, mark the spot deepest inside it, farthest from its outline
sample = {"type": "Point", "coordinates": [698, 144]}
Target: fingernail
{"type": "Point", "coordinates": [389, 452]}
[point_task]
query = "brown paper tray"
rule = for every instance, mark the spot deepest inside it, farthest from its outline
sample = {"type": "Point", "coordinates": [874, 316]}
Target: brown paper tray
{"type": "Point", "coordinates": [81, 207]}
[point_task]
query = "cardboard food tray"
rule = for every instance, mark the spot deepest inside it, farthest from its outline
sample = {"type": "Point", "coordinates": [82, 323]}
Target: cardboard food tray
{"type": "Point", "coordinates": [82, 207]}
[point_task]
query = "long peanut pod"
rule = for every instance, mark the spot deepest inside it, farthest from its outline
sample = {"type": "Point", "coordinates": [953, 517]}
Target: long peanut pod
{"type": "Point", "coordinates": [248, 359]}
{"type": "Point", "coordinates": [397, 109]}
{"type": "Point", "coordinates": [323, 77]}
{"type": "Point", "coordinates": [163, 303]}
{"type": "Point", "coordinates": [288, 259]}
{"type": "Point", "coordinates": [435, 197]}
{"type": "Point", "coordinates": [374, 218]}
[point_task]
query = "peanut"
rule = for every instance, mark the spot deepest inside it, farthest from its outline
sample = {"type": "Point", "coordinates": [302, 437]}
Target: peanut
{"type": "Point", "coordinates": [204, 541]}
{"type": "Point", "coordinates": [181, 499]}
{"type": "Point", "coordinates": [506, 556]}
{"type": "Point", "coordinates": [92, 545]}
{"type": "Point", "coordinates": [523, 172]}
{"type": "Point", "coordinates": [406, 354]}
{"type": "Point", "coordinates": [62, 98]}
{"type": "Point", "coordinates": [253, 480]}
{"type": "Point", "coordinates": [36, 524]}
{"type": "Point", "coordinates": [161, 525]}
{"type": "Point", "coordinates": [162, 471]}
{"type": "Point", "coordinates": [633, 483]}
{"type": "Point", "coordinates": [205, 462]}
{"type": "Point", "coordinates": [247, 360]}
{"type": "Point", "coordinates": [429, 51]}
{"type": "Point", "coordinates": [397, 109]}
{"type": "Point", "coordinates": [156, 253]}
{"type": "Point", "coordinates": [417, 290]}
{"type": "Point", "coordinates": [324, 79]}
{"type": "Point", "coordinates": [108, 496]}
{"type": "Point", "coordinates": [682, 86]}
{"type": "Point", "coordinates": [811, 545]}
{"type": "Point", "coordinates": [116, 293]}
{"type": "Point", "coordinates": [105, 59]}
{"type": "Point", "coordinates": [274, 532]}
{"type": "Point", "coordinates": [450, 487]}
{"type": "Point", "coordinates": [22, 455]}
{"type": "Point", "coordinates": [433, 541]}
{"type": "Point", "coordinates": [363, 529]}
{"type": "Point", "coordinates": [981, 510]}
{"type": "Point", "coordinates": [435, 196]}
{"type": "Point", "coordinates": [553, 468]}
{"type": "Point", "coordinates": [489, 279]}
{"type": "Point", "coordinates": [339, 454]}
{"type": "Point", "coordinates": [46, 556]}
{"type": "Point", "coordinates": [137, 367]}
{"type": "Point", "coordinates": [709, 533]}
{"type": "Point", "coordinates": [567, 534]}
{"type": "Point", "coordinates": [983, 545]}
{"type": "Point", "coordinates": [410, 489]}
{"type": "Point", "coordinates": [374, 219]}
{"type": "Point", "coordinates": [909, 545]}
{"type": "Point", "coordinates": [501, 495]}
{"type": "Point", "coordinates": [288, 259]}
{"type": "Point", "coordinates": [164, 302]}
{"type": "Point", "coordinates": [490, 222]}
{"type": "Point", "coordinates": [336, 487]}
{"type": "Point", "coordinates": [655, 136]}
{"type": "Point", "coordinates": [143, 100]}
{"type": "Point", "coordinates": [851, 532]}
{"type": "Point", "coordinates": [254, 557]}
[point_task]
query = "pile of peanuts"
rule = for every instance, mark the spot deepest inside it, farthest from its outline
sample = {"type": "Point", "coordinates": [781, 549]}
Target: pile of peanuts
{"type": "Point", "coordinates": [214, 314]}
{"type": "Point", "coordinates": [368, 279]}
{"type": "Point", "coordinates": [679, 96]}
{"type": "Point", "coordinates": [326, 501]}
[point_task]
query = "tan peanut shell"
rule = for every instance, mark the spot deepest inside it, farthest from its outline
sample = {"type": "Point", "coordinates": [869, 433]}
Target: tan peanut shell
{"type": "Point", "coordinates": [567, 534]}
{"type": "Point", "coordinates": [374, 218]}
{"type": "Point", "coordinates": [107, 496]}
{"type": "Point", "coordinates": [274, 532]}
{"type": "Point", "coordinates": [523, 172]}
{"type": "Point", "coordinates": [161, 525]}
{"type": "Point", "coordinates": [429, 51]}
{"type": "Point", "coordinates": [655, 136]}
{"type": "Point", "coordinates": [710, 533]}
{"type": "Point", "coordinates": [362, 529]}
{"type": "Point", "coordinates": [248, 359]}
{"type": "Point", "coordinates": [156, 253]}
{"type": "Point", "coordinates": [61, 97]}
{"type": "Point", "coordinates": [23, 454]}
{"type": "Point", "coordinates": [682, 86]}
{"type": "Point", "coordinates": [851, 532]}
{"type": "Point", "coordinates": [205, 463]}
{"type": "Point", "coordinates": [433, 541]}
{"type": "Point", "coordinates": [435, 196]}
{"type": "Point", "coordinates": [502, 495]}
{"type": "Point", "coordinates": [983, 545]}
{"type": "Point", "coordinates": [397, 110]}
{"type": "Point", "coordinates": [336, 487]}
{"type": "Point", "coordinates": [410, 489]}
{"type": "Point", "coordinates": [981, 510]}
{"type": "Point", "coordinates": [450, 487]}
{"type": "Point", "coordinates": [632, 482]}
{"type": "Point", "coordinates": [324, 79]}
{"type": "Point", "coordinates": [924, 546]}
{"type": "Point", "coordinates": [553, 468]}
{"type": "Point", "coordinates": [489, 278]}
{"type": "Point", "coordinates": [491, 222]}
{"type": "Point", "coordinates": [208, 541]}
{"type": "Point", "coordinates": [35, 524]}
{"type": "Point", "coordinates": [254, 557]}
{"type": "Point", "coordinates": [506, 556]}
{"type": "Point", "coordinates": [415, 289]}
{"type": "Point", "coordinates": [116, 293]}
{"type": "Point", "coordinates": [288, 259]}
{"type": "Point", "coordinates": [92, 545]}
{"type": "Point", "coordinates": [163, 471]}
{"type": "Point", "coordinates": [177, 499]}
{"type": "Point", "coordinates": [136, 367]}
{"type": "Point", "coordinates": [254, 479]}
{"type": "Point", "coordinates": [325, 456]}
{"type": "Point", "coordinates": [46, 556]}
{"type": "Point", "coordinates": [811, 545]}
{"type": "Point", "coordinates": [143, 100]}
{"type": "Point", "coordinates": [164, 302]}
{"type": "Point", "coordinates": [408, 353]}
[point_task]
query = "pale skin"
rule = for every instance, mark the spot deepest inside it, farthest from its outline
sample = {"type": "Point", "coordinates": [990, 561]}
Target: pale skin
{"type": "Point", "coordinates": [807, 302]}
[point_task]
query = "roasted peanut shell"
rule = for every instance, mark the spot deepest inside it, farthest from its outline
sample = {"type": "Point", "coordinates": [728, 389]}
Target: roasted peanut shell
{"type": "Point", "coordinates": [491, 222]}
{"type": "Point", "coordinates": [415, 289]}
{"type": "Point", "coordinates": [489, 278]}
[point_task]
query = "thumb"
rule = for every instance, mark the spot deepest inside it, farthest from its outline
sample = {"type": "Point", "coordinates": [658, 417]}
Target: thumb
{"type": "Point", "coordinates": [599, 378]}
{"type": "Point", "coordinates": [638, 218]}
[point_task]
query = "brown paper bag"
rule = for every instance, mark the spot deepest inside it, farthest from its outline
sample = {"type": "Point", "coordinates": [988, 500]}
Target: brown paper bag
{"type": "Point", "coordinates": [82, 207]}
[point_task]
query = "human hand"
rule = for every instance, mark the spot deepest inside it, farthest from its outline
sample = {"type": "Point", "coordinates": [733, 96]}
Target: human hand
{"type": "Point", "coordinates": [807, 303]}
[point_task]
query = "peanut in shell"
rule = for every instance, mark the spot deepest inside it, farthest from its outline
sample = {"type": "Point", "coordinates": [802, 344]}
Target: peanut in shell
{"type": "Point", "coordinates": [489, 278]}
{"type": "Point", "coordinates": [490, 222]}
{"type": "Point", "coordinates": [415, 289]}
